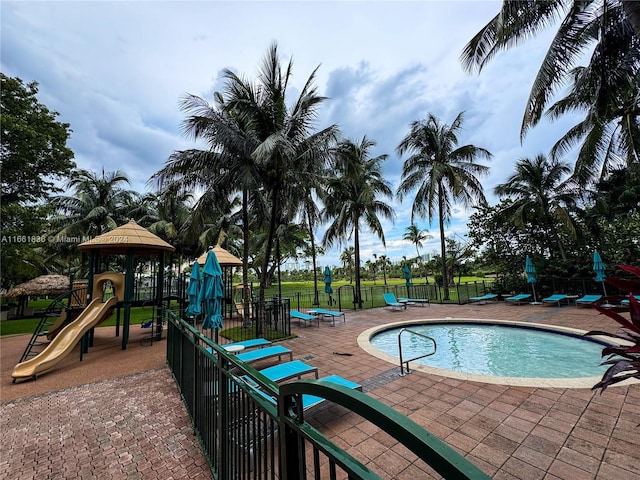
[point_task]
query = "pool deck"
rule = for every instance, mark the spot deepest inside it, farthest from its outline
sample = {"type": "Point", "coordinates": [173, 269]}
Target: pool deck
{"type": "Point", "coordinates": [117, 414]}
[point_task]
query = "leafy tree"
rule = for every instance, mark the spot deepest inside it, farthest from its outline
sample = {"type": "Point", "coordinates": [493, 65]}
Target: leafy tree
{"type": "Point", "coordinates": [33, 157]}
{"type": "Point", "coordinates": [440, 172]}
{"type": "Point", "coordinates": [24, 243]}
{"type": "Point", "coordinates": [34, 145]}
{"type": "Point", "coordinates": [355, 195]}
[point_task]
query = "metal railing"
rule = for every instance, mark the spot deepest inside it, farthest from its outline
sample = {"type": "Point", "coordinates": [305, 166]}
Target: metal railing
{"type": "Point", "coordinates": [250, 432]}
{"type": "Point", "coordinates": [412, 332]}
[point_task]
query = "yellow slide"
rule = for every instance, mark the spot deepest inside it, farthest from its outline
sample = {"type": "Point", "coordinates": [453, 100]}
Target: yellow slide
{"type": "Point", "coordinates": [66, 340]}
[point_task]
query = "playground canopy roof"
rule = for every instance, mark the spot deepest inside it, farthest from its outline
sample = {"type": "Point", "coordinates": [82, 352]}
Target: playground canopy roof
{"type": "Point", "coordinates": [225, 259]}
{"type": "Point", "coordinates": [42, 285]}
{"type": "Point", "coordinates": [130, 237]}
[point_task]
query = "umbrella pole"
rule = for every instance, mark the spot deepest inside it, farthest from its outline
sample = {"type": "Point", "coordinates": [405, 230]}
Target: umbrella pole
{"type": "Point", "coordinates": [535, 301]}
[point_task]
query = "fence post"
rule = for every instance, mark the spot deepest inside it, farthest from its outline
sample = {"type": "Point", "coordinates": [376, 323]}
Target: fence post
{"type": "Point", "coordinates": [292, 447]}
{"type": "Point", "coordinates": [223, 411]}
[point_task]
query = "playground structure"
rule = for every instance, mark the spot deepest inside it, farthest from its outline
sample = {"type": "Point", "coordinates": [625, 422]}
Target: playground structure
{"type": "Point", "coordinates": [76, 324]}
{"type": "Point", "coordinates": [67, 338]}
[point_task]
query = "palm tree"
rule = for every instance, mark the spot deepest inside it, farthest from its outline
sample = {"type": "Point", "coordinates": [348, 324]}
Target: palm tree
{"type": "Point", "coordinates": [283, 131]}
{"type": "Point", "coordinates": [98, 203]}
{"type": "Point", "coordinates": [606, 89]}
{"type": "Point", "coordinates": [226, 166]}
{"type": "Point", "coordinates": [440, 172]}
{"type": "Point", "coordinates": [385, 264]}
{"type": "Point", "coordinates": [355, 198]}
{"type": "Point", "coordinates": [540, 194]}
{"type": "Point", "coordinates": [416, 236]}
{"type": "Point", "coordinates": [346, 257]}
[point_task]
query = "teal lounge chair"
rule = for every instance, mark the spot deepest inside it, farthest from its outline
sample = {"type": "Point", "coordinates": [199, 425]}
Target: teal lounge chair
{"type": "Point", "coordinates": [518, 299]}
{"type": "Point", "coordinates": [332, 314]}
{"type": "Point", "coordinates": [485, 298]}
{"type": "Point", "coordinates": [626, 301]}
{"type": "Point", "coordinates": [414, 301]}
{"type": "Point", "coordinates": [264, 353]}
{"type": "Point", "coordinates": [304, 317]}
{"type": "Point", "coordinates": [309, 401]}
{"type": "Point", "coordinates": [247, 344]}
{"type": "Point", "coordinates": [391, 302]}
{"type": "Point", "coordinates": [557, 298]}
{"type": "Point", "coordinates": [285, 371]}
{"type": "Point", "coordinates": [588, 300]}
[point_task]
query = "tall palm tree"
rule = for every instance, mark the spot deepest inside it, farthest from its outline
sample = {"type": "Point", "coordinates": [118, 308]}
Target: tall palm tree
{"type": "Point", "coordinates": [356, 196]}
{"type": "Point", "coordinates": [606, 89]}
{"type": "Point", "coordinates": [225, 167]}
{"type": "Point", "coordinates": [540, 193]}
{"type": "Point", "coordinates": [440, 172]}
{"type": "Point", "coordinates": [283, 130]}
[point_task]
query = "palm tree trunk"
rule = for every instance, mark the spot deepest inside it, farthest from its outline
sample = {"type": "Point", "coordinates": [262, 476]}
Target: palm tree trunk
{"type": "Point", "coordinates": [356, 241]}
{"type": "Point", "coordinates": [316, 301]}
{"type": "Point", "coordinates": [246, 321]}
{"type": "Point", "coordinates": [264, 276]}
{"type": "Point", "coordinates": [443, 250]}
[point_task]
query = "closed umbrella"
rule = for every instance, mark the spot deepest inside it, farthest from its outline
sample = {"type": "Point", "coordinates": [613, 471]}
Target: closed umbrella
{"type": "Point", "coordinates": [193, 309]}
{"type": "Point", "coordinates": [327, 283]}
{"type": "Point", "coordinates": [211, 293]}
{"type": "Point", "coordinates": [406, 273]}
{"type": "Point", "coordinates": [599, 268]}
{"type": "Point", "coordinates": [530, 270]}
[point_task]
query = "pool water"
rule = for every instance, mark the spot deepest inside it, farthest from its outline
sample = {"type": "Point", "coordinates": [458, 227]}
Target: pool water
{"type": "Point", "coordinates": [497, 349]}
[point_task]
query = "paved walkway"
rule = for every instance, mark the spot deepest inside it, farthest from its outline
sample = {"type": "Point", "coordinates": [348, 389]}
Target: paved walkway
{"type": "Point", "coordinates": [133, 424]}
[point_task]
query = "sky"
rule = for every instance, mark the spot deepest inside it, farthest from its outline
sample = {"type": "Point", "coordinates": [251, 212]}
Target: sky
{"type": "Point", "coordinates": [116, 71]}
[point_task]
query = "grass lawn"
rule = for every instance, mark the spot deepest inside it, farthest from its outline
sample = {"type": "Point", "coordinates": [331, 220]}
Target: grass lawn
{"type": "Point", "coordinates": [28, 325]}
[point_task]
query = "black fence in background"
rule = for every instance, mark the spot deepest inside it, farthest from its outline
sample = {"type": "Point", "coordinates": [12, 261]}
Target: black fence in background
{"type": "Point", "coordinates": [343, 297]}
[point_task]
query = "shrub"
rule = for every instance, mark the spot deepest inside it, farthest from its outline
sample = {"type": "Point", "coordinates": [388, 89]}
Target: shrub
{"type": "Point", "coordinates": [625, 358]}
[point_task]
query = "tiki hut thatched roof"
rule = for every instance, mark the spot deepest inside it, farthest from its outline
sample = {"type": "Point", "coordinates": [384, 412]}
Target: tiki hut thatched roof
{"type": "Point", "coordinates": [130, 237]}
{"type": "Point", "coordinates": [42, 285]}
{"type": "Point", "coordinates": [225, 258]}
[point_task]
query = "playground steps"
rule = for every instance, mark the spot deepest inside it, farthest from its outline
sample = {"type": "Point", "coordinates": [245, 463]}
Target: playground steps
{"type": "Point", "coordinates": [42, 335]}
{"type": "Point", "coordinates": [39, 338]}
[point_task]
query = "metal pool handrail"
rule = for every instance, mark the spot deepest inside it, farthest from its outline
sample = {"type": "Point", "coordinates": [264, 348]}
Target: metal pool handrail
{"type": "Point", "coordinates": [408, 330]}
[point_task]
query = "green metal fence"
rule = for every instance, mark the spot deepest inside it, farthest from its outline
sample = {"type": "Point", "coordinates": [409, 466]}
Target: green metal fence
{"type": "Point", "coordinates": [251, 428]}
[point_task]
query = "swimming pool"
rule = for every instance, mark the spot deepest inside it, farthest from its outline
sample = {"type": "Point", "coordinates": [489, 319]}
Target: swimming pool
{"type": "Point", "coordinates": [513, 353]}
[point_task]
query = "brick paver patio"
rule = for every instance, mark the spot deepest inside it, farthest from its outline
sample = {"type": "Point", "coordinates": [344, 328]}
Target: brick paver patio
{"type": "Point", "coordinates": [132, 424]}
